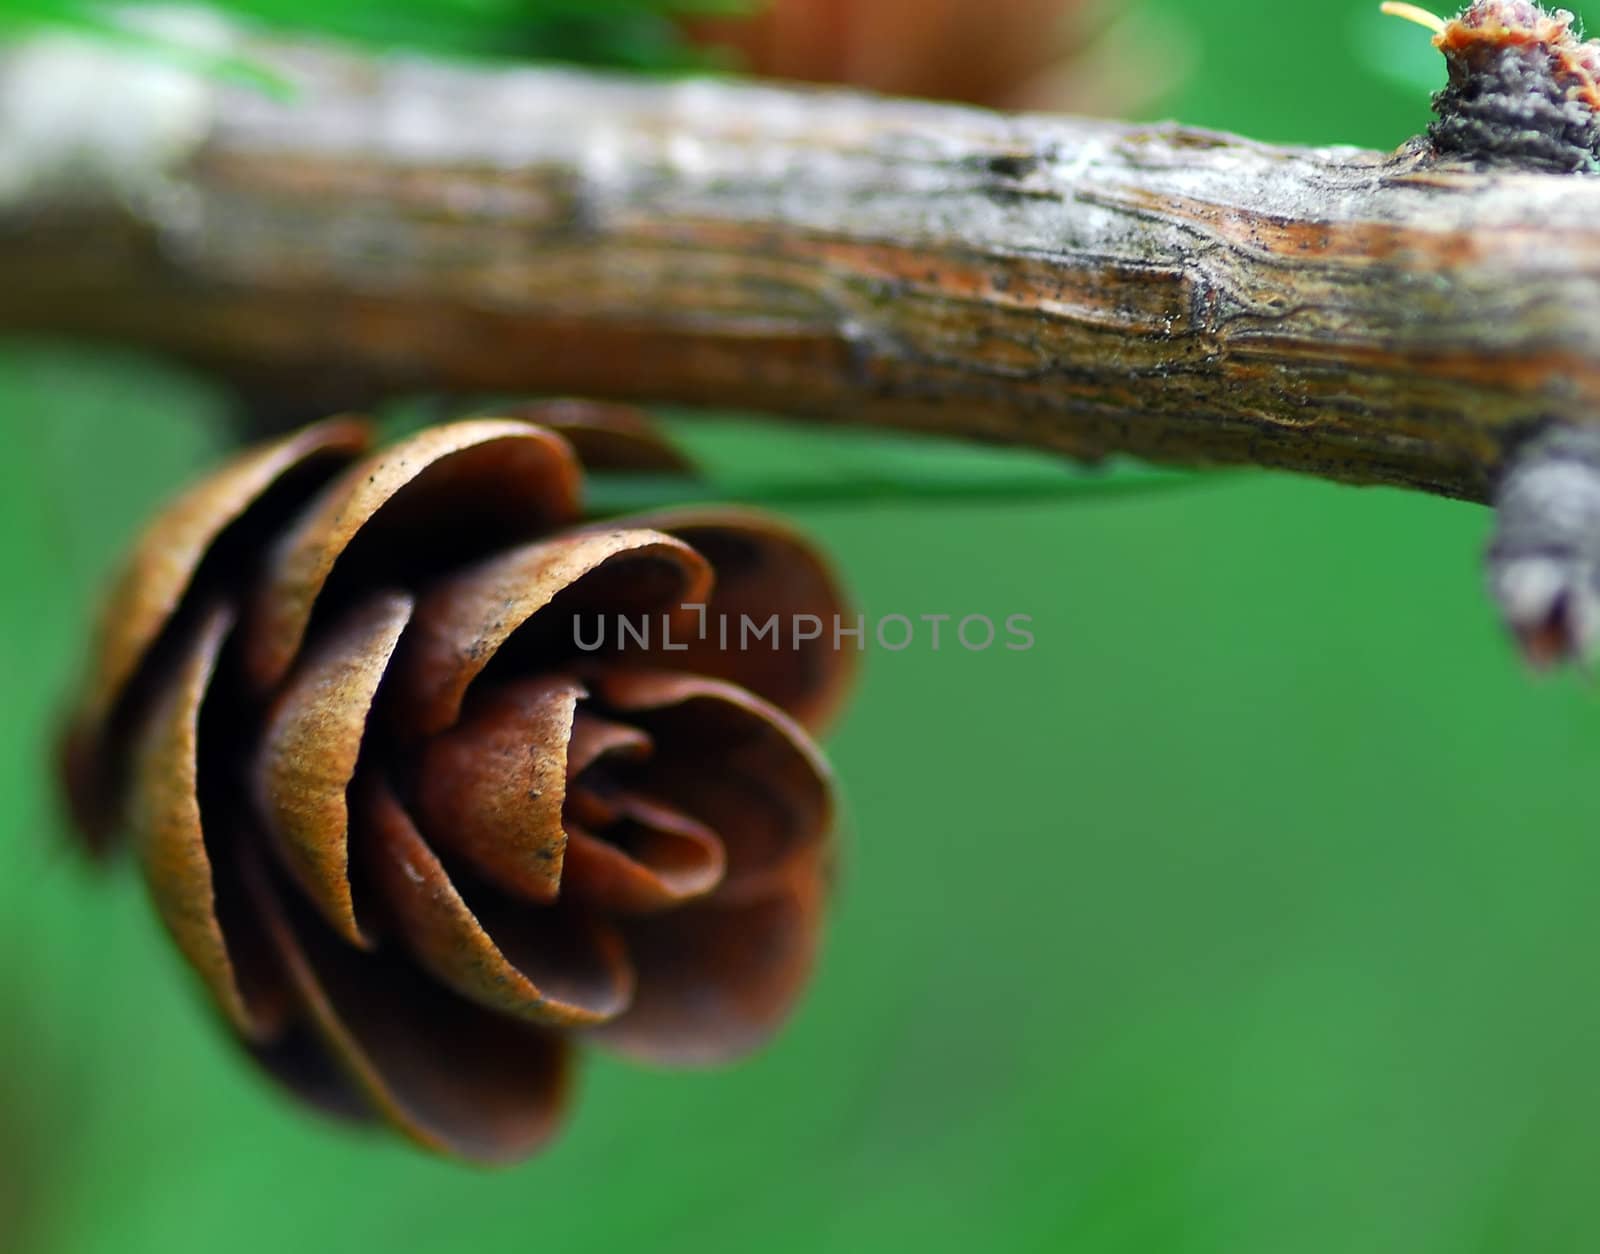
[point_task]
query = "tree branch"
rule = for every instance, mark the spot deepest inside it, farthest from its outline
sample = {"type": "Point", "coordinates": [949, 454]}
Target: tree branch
{"type": "Point", "coordinates": [1075, 286]}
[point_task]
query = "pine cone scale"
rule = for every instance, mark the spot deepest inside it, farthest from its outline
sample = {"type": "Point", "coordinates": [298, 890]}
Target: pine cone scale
{"type": "Point", "coordinates": [609, 437]}
{"type": "Point", "coordinates": [311, 747]}
{"type": "Point", "coordinates": [492, 788]}
{"type": "Point", "coordinates": [168, 834]}
{"type": "Point", "coordinates": [717, 977]}
{"type": "Point", "coordinates": [767, 578]}
{"type": "Point", "coordinates": [450, 1076]}
{"type": "Point", "coordinates": [594, 738]}
{"type": "Point", "coordinates": [468, 620]}
{"type": "Point", "coordinates": [654, 857]}
{"type": "Point", "coordinates": [574, 969]}
{"type": "Point", "coordinates": [732, 762]}
{"type": "Point", "coordinates": [429, 502]}
{"type": "Point", "coordinates": [162, 572]}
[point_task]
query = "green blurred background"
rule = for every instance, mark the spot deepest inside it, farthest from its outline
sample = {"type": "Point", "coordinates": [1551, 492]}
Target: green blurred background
{"type": "Point", "coordinates": [1253, 911]}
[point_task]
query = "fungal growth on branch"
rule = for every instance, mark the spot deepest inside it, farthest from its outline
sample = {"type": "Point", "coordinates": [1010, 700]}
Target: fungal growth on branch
{"type": "Point", "coordinates": [415, 831]}
{"type": "Point", "coordinates": [1523, 90]}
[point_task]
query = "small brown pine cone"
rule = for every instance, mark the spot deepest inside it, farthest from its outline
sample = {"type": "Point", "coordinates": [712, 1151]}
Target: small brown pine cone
{"type": "Point", "coordinates": [418, 835]}
{"type": "Point", "coordinates": [1012, 54]}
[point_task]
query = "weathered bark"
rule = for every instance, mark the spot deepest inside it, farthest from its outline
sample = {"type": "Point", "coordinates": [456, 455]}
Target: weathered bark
{"type": "Point", "coordinates": [1076, 286]}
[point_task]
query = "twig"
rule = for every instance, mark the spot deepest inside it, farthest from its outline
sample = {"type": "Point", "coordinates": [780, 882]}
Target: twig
{"type": "Point", "coordinates": [1070, 285]}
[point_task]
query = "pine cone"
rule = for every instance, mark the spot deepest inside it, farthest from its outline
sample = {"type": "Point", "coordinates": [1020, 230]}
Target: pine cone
{"type": "Point", "coordinates": [1016, 54]}
{"type": "Point", "coordinates": [413, 838]}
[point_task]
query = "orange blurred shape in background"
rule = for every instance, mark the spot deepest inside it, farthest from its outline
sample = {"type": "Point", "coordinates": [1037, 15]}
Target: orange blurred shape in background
{"type": "Point", "coordinates": [1003, 53]}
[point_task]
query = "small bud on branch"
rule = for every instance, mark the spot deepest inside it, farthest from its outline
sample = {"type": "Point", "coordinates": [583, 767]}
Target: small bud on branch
{"type": "Point", "coordinates": [1544, 559]}
{"type": "Point", "coordinates": [1523, 88]}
